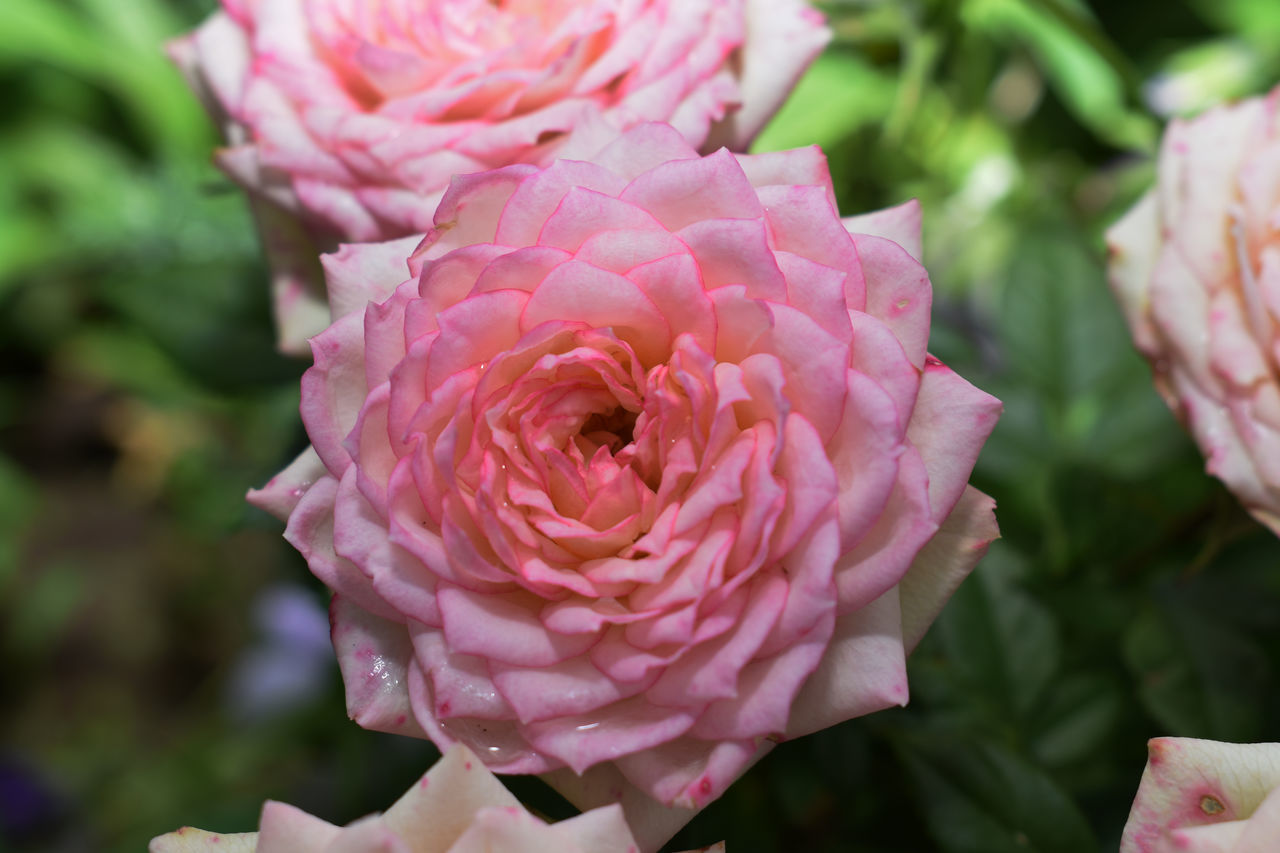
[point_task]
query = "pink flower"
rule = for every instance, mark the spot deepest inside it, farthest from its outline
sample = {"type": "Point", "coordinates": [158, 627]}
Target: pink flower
{"type": "Point", "coordinates": [1202, 796]}
{"type": "Point", "coordinates": [644, 468]}
{"type": "Point", "coordinates": [347, 118]}
{"type": "Point", "coordinates": [458, 807]}
{"type": "Point", "coordinates": [1196, 267]}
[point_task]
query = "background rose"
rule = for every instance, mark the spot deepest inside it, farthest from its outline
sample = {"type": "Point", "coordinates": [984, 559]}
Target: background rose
{"type": "Point", "coordinates": [457, 807]}
{"type": "Point", "coordinates": [1204, 796]}
{"type": "Point", "coordinates": [643, 468]}
{"type": "Point", "coordinates": [352, 115]}
{"type": "Point", "coordinates": [1196, 267]}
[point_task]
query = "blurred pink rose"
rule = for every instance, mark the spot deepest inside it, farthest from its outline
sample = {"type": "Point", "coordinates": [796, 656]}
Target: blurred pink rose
{"type": "Point", "coordinates": [458, 807]}
{"type": "Point", "coordinates": [1202, 796]}
{"type": "Point", "coordinates": [349, 117]}
{"type": "Point", "coordinates": [644, 468]}
{"type": "Point", "coordinates": [1196, 267]}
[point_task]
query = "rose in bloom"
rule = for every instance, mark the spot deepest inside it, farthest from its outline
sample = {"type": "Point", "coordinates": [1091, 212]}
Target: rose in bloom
{"type": "Point", "coordinates": [1196, 268]}
{"type": "Point", "coordinates": [347, 118]}
{"type": "Point", "coordinates": [458, 807]}
{"type": "Point", "coordinates": [1202, 796]}
{"type": "Point", "coordinates": [643, 468]}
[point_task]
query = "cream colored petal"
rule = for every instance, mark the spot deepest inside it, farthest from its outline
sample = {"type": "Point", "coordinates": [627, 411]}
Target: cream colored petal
{"type": "Point", "coordinates": [1189, 782]}
{"type": "Point", "coordinates": [1134, 243]}
{"type": "Point", "coordinates": [435, 812]}
{"type": "Point", "coordinates": [192, 840]}
{"type": "Point", "coordinates": [944, 562]}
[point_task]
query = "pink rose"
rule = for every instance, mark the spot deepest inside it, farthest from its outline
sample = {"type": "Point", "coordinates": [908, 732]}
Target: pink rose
{"type": "Point", "coordinates": [458, 807]}
{"type": "Point", "coordinates": [1202, 796]}
{"type": "Point", "coordinates": [1196, 267]}
{"type": "Point", "coordinates": [350, 116]}
{"type": "Point", "coordinates": [644, 468]}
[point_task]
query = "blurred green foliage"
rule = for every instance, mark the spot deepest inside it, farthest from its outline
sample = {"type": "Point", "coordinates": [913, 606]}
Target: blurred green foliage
{"type": "Point", "coordinates": [140, 395]}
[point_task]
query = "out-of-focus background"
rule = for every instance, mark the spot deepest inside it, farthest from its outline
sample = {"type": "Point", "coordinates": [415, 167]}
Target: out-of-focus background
{"type": "Point", "coordinates": [164, 654]}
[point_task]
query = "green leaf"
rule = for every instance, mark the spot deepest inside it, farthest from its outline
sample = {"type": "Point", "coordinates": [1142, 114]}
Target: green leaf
{"type": "Point", "coordinates": [1198, 676]}
{"type": "Point", "coordinates": [1077, 60]}
{"type": "Point", "coordinates": [840, 94]}
{"type": "Point", "coordinates": [1083, 711]}
{"type": "Point", "coordinates": [1002, 644]}
{"type": "Point", "coordinates": [979, 797]}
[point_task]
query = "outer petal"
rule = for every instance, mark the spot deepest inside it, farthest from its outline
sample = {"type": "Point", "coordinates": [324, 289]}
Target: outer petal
{"type": "Point", "coordinates": [192, 840]}
{"type": "Point", "coordinates": [864, 669]}
{"type": "Point", "coordinates": [1134, 243]}
{"type": "Point", "coordinates": [437, 810]}
{"type": "Point", "coordinates": [283, 491]}
{"type": "Point", "coordinates": [901, 224]}
{"type": "Point", "coordinates": [783, 38]}
{"type": "Point", "coordinates": [360, 273]}
{"type": "Point", "coordinates": [951, 422]}
{"type": "Point", "coordinates": [373, 655]}
{"type": "Point", "coordinates": [1191, 782]}
{"type": "Point", "coordinates": [287, 829]}
{"type": "Point", "coordinates": [947, 559]}
{"type": "Point", "coordinates": [1258, 834]}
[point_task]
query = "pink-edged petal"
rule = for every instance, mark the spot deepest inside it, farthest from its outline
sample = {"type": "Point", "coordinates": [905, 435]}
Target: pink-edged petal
{"type": "Point", "coordinates": [373, 654]}
{"type": "Point", "coordinates": [287, 829]}
{"type": "Point", "coordinates": [582, 213]}
{"type": "Point", "coordinates": [711, 670]}
{"type": "Point", "coordinates": [541, 194]}
{"type": "Point", "coordinates": [898, 292]}
{"type": "Point", "coordinates": [863, 669]}
{"type": "Point", "coordinates": [334, 389]}
{"type": "Point", "coordinates": [797, 167]}
{"type": "Point", "coordinates": [735, 251]}
{"type": "Point", "coordinates": [900, 223]}
{"type": "Point", "coordinates": [283, 491]}
{"type": "Point", "coordinates": [884, 553]}
{"type": "Point", "coordinates": [620, 251]}
{"type": "Point", "coordinates": [482, 196]}
{"type": "Point", "coordinates": [673, 285]}
{"type": "Point", "coordinates": [575, 291]}
{"type": "Point", "coordinates": [689, 773]}
{"type": "Point", "coordinates": [816, 365]}
{"type": "Point", "coordinates": [681, 192]}
{"type": "Point", "coordinates": [864, 456]}
{"type": "Point", "coordinates": [803, 220]}
{"type": "Point", "coordinates": [360, 273]}
{"type": "Point", "coordinates": [502, 748]}
{"type": "Point", "coordinates": [461, 685]}
{"type": "Point", "coordinates": [1257, 834]}
{"type": "Point", "coordinates": [505, 628]}
{"type": "Point", "coordinates": [1190, 782]}
{"type": "Point", "coordinates": [642, 148]}
{"type": "Point", "coordinates": [951, 422]}
{"type": "Point", "coordinates": [570, 688]}
{"type": "Point", "coordinates": [766, 689]}
{"type": "Point", "coordinates": [945, 561]}
{"type": "Point", "coordinates": [626, 727]}
{"type": "Point", "coordinates": [310, 530]}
